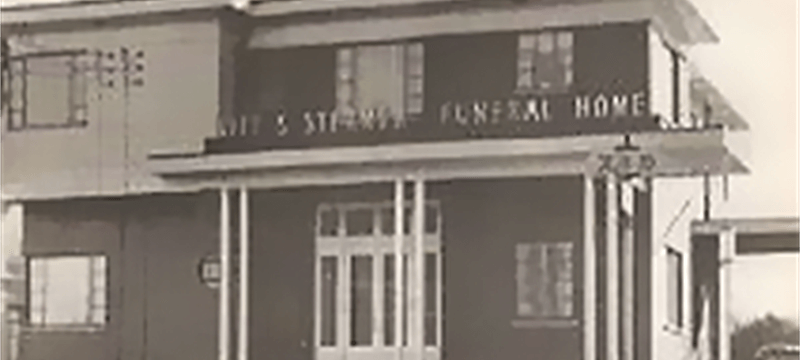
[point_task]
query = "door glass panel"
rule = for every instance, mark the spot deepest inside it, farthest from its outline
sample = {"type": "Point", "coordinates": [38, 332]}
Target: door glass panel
{"type": "Point", "coordinates": [388, 300]}
{"type": "Point", "coordinates": [431, 219]}
{"type": "Point", "coordinates": [328, 316]}
{"type": "Point", "coordinates": [328, 222]}
{"type": "Point", "coordinates": [361, 301]}
{"type": "Point", "coordinates": [430, 299]}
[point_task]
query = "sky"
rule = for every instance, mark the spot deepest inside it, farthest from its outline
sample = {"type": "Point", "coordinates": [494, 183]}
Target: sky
{"type": "Point", "coordinates": [755, 67]}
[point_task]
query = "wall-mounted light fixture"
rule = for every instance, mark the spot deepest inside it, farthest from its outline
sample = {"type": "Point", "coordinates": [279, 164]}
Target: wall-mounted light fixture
{"type": "Point", "coordinates": [628, 163]}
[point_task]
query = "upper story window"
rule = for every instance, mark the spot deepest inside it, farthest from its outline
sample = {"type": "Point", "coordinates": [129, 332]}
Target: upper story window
{"type": "Point", "coordinates": [674, 287]}
{"type": "Point", "coordinates": [68, 291]}
{"type": "Point", "coordinates": [544, 62]}
{"type": "Point", "coordinates": [380, 78]}
{"type": "Point", "coordinates": [46, 90]}
{"type": "Point", "coordinates": [544, 280]}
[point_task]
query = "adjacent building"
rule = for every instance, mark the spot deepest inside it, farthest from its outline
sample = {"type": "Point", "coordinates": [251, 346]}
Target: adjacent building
{"type": "Point", "coordinates": [351, 180]}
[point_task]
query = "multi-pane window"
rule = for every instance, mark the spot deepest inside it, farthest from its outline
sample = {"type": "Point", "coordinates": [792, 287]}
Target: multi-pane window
{"type": "Point", "coordinates": [384, 80]}
{"type": "Point", "coordinates": [68, 290]}
{"type": "Point", "coordinates": [544, 280]}
{"type": "Point", "coordinates": [47, 90]}
{"type": "Point", "coordinates": [674, 287]}
{"type": "Point", "coordinates": [544, 62]}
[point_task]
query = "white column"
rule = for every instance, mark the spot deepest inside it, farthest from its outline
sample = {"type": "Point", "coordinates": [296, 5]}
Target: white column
{"type": "Point", "coordinates": [225, 271]}
{"type": "Point", "coordinates": [727, 246]}
{"type": "Point", "coordinates": [418, 287]}
{"type": "Point", "coordinates": [399, 222]}
{"type": "Point", "coordinates": [244, 271]}
{"type": "Point", "coordinates": [612, 270]}
{"type": "Point", "coordinates": [628, 256]}
{"type": "Point", "coordinates": [589, 284]}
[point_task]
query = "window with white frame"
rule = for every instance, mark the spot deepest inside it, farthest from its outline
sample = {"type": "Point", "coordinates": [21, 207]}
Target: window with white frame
{"type": "Point", "coordinates": [68, 290]}
{"type": "Point", "coordinates": [384, 79]}
{"type": "Point", "coordinates": [47, 90]}
{"type": "Point", "coordinates": [544, 62]}
{"type": "Point", "coordinates": [544, 280]}
{"type": "Point", "coordinates": [674, 287]}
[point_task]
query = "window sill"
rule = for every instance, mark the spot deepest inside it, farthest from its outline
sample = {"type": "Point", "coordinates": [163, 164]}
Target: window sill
{"type": "Point", "coordinates": [64, 328]}
{"type": "Point", "coordinates": [544, 323]}
{"type": "Point", "coordinates": [76, 124]}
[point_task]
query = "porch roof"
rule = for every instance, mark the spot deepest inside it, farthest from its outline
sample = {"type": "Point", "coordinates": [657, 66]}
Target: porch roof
{"type": "Point", "coordinates": [677, 153]}
{"type": "Point", "coordinates": [678, 21]}
{"type": "Point", "coordinates": [755, 235]}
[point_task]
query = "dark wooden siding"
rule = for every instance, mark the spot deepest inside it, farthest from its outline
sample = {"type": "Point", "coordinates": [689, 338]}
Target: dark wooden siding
{"type": "Point", "coordinates": [483, 221]}
{"type": "Point", "coordinates": [158, 309]}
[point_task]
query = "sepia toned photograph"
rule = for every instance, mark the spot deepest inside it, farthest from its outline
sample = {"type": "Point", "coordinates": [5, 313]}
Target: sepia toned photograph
{"type": "Point", "coordinates": [399, 180]}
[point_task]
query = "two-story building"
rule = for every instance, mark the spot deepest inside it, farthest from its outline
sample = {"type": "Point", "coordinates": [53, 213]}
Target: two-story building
{"type": "Point", "coordinates": [207, 180]}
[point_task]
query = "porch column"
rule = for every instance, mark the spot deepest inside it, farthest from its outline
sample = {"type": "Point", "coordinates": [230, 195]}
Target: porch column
{"type": "Point", "coordinates": [612, 269]}
{"type": "Point", "coordinates": [627, 261]}
{"type": "Point", "coordinates": [399, 224]}
{"type": "Point", "coordinates": [418, 313]}
{"type": "Point", "coordinates": [225, 274]}
{"type": "Point", "coordinates": [589, 253]}
{"type": "Point", "coordinates": [244, 272]}
{"type": "Point", "coordinates": [727, 249]}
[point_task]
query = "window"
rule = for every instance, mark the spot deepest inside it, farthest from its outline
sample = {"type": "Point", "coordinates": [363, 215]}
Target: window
{"type": "Point", "coordinates": [47, 90]}
{"type": "Point", "coordinates": [544, 62]}
{"type": "Point", "coordinates": [544, 280]}
{"type": "Point", "coordinates": [383, 80]}
{"type": "Point", "coordinates": [674, 287]}
{"type": "Point", "coordinates": [67, 291]}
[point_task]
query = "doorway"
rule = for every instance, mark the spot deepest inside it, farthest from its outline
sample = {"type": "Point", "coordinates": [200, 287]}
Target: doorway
{"type": "Point", "coordinates": [354, 286]}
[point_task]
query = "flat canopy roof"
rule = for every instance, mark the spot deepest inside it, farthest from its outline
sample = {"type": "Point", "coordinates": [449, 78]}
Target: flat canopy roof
{"type": "Point", "coordinates": [756, 236]}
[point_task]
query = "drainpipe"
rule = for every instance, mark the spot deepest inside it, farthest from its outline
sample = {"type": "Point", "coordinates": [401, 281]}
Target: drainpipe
{"type": "Point", "coordinates": [727, 250]}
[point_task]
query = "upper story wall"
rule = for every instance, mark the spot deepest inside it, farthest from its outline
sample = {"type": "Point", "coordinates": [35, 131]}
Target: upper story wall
{"type": "Point", "coordinates": [176, 105]}
{"type": "Point", "coordinates": [603, 52]}
{"type": "Point", "coordinates": [536, 83]}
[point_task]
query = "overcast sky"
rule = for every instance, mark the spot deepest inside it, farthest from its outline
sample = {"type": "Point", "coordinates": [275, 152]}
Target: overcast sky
{"type": "Point", "coordinates": [755, 66]}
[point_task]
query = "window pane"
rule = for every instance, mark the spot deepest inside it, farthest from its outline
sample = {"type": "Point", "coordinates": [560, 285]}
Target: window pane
{"type": "Point", "coordinates": [48, 90]}
{"type": "Point", "coordinates": [527, 42]}
{"type": "Point", "coordinates": [414, 85]}
{"type": "Point", "coordinates": [387, 220]}
{"type": "Point", "coordinates": [544, 280]}
{"type": "Point", "coordinates": [674, 287]}
{"type": "Point", "coordinates": [68, 290]}
{"type": "Point", "coordinates": [17, 85]}
{"type": "Point", "coordinates": [414, 105]}
{"type": "Point", "coordinates": [564, 40]}
{"type": "Point", "coordinates": [430, 299]}
{"type": "Point", "coordinates": [360, 221]}
{"type": "Point", "coordinates": [380, 72]}
{"type": "Point", "coordinates": [560, 274]}
{"type": "Point", "coordinates": [328, 268]}
{"type": "Point", "coordinates": [67, 299]}
{"type": "Point", "coordinates": [99, 298]}
{"type": "Point", "coordinates": [98, 316]}
{"type": "Point", "coordinates": [416, 51]}
{"type": "Point", "coordinates": [431, 219]}
{"type": "Point", "coordinates": [388, 301]}
{"type": "Point", "coordinates": [361, 301]}
{"type": "Point", "coordinates": [328, 222]}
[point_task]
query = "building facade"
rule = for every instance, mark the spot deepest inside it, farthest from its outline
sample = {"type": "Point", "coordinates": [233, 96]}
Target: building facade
{"type": "Point", "coordinates": [205, 180]}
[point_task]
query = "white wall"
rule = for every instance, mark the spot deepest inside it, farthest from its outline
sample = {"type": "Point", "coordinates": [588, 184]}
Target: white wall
{"type": "Point", "coordinates": [660, 77]}
{"type": "Point", "coordinates": [176, 108]}
{"type": "Point", "coordinates": [676, 202]}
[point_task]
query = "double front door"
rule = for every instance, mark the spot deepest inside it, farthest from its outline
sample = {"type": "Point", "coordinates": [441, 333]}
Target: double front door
{"type": "Point", "coordinates": [355, 268]}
